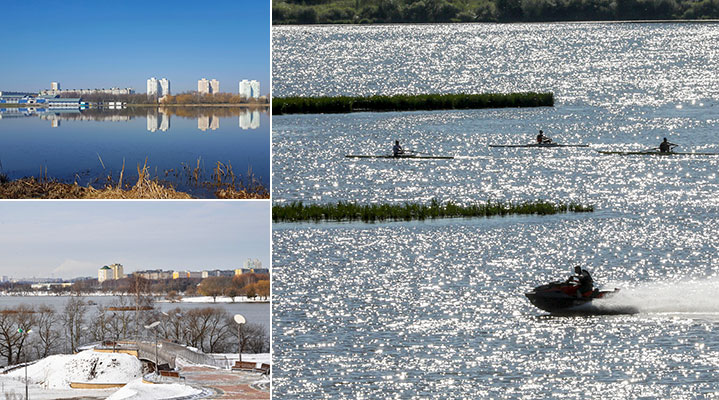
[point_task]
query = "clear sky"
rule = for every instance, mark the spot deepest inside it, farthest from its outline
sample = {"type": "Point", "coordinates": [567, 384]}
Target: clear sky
{"type": "Point", "coordinates": [65, 239]}
{"type": "Point", "coordinates": [103, 44]}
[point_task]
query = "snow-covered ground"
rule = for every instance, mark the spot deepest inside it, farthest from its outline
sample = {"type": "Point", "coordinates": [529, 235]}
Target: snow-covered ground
{"type": "Point", "coordinates": [137, 390]}
{"type": "Point", "coordinates": [220, 299]}
{"type": "Point", "coordinates": [56, 372]}
{"type": "Point", "coordinates": [14, 389]}
{"type": "Point", "coordinates": [228, 359]}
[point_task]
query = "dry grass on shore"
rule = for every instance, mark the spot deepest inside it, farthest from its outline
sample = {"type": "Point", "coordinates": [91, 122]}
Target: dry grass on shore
{"type": "Point", "coordinates": [224, 184]}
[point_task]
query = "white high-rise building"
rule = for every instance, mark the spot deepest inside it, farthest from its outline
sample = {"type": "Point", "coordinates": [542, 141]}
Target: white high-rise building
{"type": "Point", "coordinates": [245, 89]}
{"type": "Point", "coordinates": [165, 87]}
{"type": "Point", "coordinates": [203, 86]}
{"type": "Point", "coordinates": [255, 86]}
{"type": "Point", "coordinates": [55, 85]}
{"type": "Point", "coordinates": [208, 87]}
{"type": "Point", "coordinates": [249, 89]}
{"type": "Point", "coordinates": [152, 87]}
{"type": "Point", "coordinates": [158, 87]}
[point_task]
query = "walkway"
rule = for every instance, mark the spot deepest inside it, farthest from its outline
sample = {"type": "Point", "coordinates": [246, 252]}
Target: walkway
{"type": "Point", "coordinates": [227, 384]}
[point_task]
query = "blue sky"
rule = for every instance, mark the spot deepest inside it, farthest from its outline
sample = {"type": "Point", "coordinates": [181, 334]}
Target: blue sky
{"type": "Point", "coordinates": [67, 239]}
{"type": "Point", "coordinates": [103, 44]}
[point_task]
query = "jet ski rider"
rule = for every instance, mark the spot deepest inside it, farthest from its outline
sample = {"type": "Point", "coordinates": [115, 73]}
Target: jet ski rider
{"type": "Point", "coordinates": [397, 150]}
{"type": "Point", "coordinates": [586, 283]}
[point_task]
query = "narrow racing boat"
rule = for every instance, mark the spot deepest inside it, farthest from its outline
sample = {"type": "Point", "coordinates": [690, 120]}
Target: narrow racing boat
{"type": "Point", "coordinates": [402, 156]}
{"type": "Point", "coordinates": [656, 153]}
{"type": "Point", "coordinates": [540, 145]}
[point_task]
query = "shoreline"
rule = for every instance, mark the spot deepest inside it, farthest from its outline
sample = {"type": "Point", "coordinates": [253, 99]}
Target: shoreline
{"type": "Point", "coordinates": [161, 297]}
{"type": "Point", "coordinates": [589, 21]}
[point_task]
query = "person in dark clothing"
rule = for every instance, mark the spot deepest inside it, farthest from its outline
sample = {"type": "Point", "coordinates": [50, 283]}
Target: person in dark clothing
{"type": "Point", "coordinates": [397, 150]}
{"type": "Point", "coordinates": [542, 138]}
{"type": "Point", "coordinates": [666, 146]}
{"type": "Point", "coordinates": [586, 283]}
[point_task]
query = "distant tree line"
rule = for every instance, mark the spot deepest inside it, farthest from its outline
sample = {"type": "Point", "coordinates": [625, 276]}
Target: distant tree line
{"type": "Point", "coordinates": [211, 98]}
{"type": "Point", "coordinates": [435, 11]}
{"type": "Point", "coordinates": [249, 284]}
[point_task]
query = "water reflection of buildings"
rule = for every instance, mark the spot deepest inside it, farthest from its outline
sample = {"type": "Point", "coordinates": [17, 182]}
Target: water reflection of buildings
{"type": "Point", "coordinates": [205, 122]}
{"type": "Point", "coordinates": [157, 121]}
{"type": "Point", "coordinates": [250, 119]}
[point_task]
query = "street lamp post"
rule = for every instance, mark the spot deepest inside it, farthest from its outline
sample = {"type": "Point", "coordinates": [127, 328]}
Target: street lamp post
{"type": "Point", "coordinates": [240, 320]}
{"type": "Point", "coordinates": [152, 326]}
{"type": "Point", "coordinates": [25, 333]}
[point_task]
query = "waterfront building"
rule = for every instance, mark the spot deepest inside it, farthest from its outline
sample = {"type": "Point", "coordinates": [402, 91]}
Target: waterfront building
{"type": "Point", "coordinates": [117, 271]}
{"type": "Point", "coordinates": [158, 87]}
{"type": "Point", "coordinates": [186, 274]}
{"type": "Point", "coordinates": [152, 86]}
{"type": "Point", "coordinates": [250, 89]}
{"type": "Point", "coordinates": [217, 272]}
{"type": "Point", "coordinates": [165, 87]}
{"type": "Point", "coordinates": [104, 274]}
{"type": "Point", "coordinates": [156, 274]}
{"type": "Point", "coordinates": [205, 86]}
{"type": "Point", "coordinates": [55, 85]}
{"type": "Point", "coordinates": [113, 91]}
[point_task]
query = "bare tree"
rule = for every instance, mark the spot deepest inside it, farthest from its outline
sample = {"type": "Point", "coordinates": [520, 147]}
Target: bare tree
{"type": "Point", "coordinates": [48, 337]}
{"type": "Point", "coordinates": [14, 325]}
{"type": "Point", "coordinates": [100, 327]}
{"type": "Point", "coordinates": [252, 338]}
{"type": "Point", "coordinates": [73, 319]}
{"type": "Point", "coordinates": [219, 331]}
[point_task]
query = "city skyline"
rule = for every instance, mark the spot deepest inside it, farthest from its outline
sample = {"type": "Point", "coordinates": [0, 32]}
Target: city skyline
{"type": "Point", "coordinates": [128, 53]}
{"type": "Point", "coordinates": [74, 239]}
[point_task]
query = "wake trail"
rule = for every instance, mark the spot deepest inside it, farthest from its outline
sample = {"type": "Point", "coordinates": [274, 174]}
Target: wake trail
{"type": "Point", "coordinates": [689, 296]}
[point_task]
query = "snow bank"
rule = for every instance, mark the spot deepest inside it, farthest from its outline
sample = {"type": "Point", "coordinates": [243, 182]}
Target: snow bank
{"type": "Point", "coordinates": [56, 372]}
{"type": "Point", "coordinates": [140, 390]}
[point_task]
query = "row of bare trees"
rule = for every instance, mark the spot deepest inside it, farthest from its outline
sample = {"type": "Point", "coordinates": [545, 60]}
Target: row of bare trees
{"type": "Point", "coordinates": [66, 329]}
{"type": "Point", "coordinates": [250, 285]}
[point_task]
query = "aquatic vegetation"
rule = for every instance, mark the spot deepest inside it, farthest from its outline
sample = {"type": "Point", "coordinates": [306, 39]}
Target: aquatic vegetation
{"type": "Point", "coordinates": [350, 211]}
{"type": "Point", "coordinates": [347, 104]}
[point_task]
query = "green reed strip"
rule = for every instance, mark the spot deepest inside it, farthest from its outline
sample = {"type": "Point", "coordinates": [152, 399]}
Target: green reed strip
{"type": "Point", "coordinates": [347, 104]}
{"type": "Point", "coordinates": [347, 211]}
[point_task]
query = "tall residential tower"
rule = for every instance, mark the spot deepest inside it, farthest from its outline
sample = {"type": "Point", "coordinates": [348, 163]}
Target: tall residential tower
{"type": "Point", "coordinates": [249, 89]}
{"type": "Point", "coordinates": [159, 88]}
{"type": "Point", "coordinates": [208, 87]}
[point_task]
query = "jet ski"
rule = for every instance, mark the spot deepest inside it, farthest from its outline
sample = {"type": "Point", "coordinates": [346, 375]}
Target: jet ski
{"type": "Point", "coordinates": [561, 298]}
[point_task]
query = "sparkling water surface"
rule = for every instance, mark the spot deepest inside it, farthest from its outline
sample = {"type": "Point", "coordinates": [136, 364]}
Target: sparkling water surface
{"type": "Point", "coordinates": [436, 309]}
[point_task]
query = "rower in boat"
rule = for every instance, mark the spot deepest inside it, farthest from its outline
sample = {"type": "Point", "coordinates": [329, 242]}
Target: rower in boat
{"type": "Point", "coordinates": [397, 150]}
{"type": "Point", "coordinates": [543, 139]}
{"type": "Point", "coordinates": [666, 146]}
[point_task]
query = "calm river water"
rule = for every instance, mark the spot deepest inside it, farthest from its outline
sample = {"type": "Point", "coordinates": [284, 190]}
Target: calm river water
{"type": "Point", "coordinates": [88, 145]}
{"type": "Point", "coordinates": [436, 309]}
